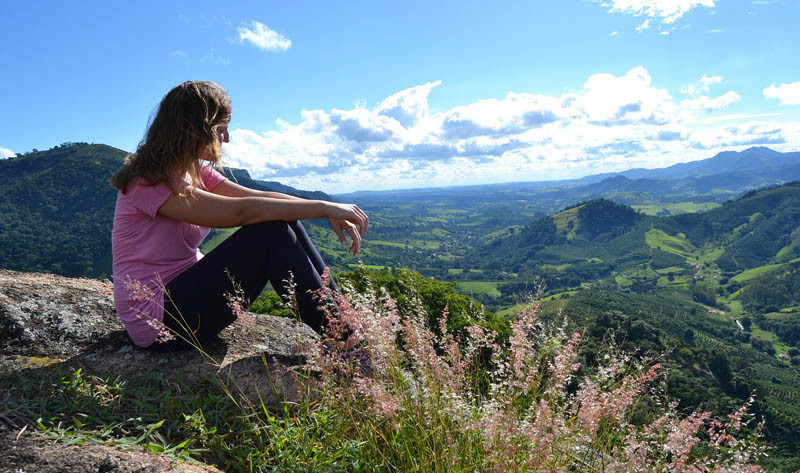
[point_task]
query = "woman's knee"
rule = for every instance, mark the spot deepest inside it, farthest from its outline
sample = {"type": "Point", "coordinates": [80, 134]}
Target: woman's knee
{"type": "Point", "coordinates": [274, 233]}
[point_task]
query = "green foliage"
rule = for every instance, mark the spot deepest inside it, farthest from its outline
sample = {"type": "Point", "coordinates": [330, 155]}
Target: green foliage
{"type": "Point", "coordinates": [710, 365]}
{"type": "Point", "coordinates": [704, 294]}
{"type": "Point", "coordinates": [773, 291]}
{"type": "Point", "coordinates": [56, 210]}
{"type": "Point", "coordinates": [604, 220]}
{"type": "Point", "coordinates": [269, 302]}
{"type": "Point", "coordinates": [411, 290]}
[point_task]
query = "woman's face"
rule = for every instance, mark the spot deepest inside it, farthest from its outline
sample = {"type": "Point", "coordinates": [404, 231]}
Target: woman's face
{"type": "Point", "coordinates": [222, 136]}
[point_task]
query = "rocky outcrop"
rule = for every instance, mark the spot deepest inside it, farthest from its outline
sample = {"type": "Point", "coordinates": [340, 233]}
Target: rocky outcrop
{"type": "Point", "coordinates": [31, 454]}
{"type": "Point", "coordinates": [49, 322]}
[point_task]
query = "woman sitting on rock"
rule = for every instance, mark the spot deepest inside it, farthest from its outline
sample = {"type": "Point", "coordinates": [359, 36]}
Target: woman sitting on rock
{"type": "Point", "coordinates": [169, 196]}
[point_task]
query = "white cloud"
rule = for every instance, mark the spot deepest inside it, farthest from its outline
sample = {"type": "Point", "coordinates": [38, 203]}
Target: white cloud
{"type": "Point", "coordinates": [261, 36]}
{"type": "Point", "coordinates": [6, 153]}
{"type": "Point", "coordinates": [608, 99]}
{"type": "Point", "coordinates": [702, 85]}
{"type": "Point", "coordinates": [408, 106]}
{"type": "Point", "coordinates": [613, 33]}
{"type": "Point", "coordinates": [611, 123]}
{"type": "Point", "coordinates": [706, 104]}
{"type": "Point", "coordinates": [788, 94]}
{"type": "Point", "coordinates": [645, 24]}
{"type": "Point", "coordinates": [666, 10]}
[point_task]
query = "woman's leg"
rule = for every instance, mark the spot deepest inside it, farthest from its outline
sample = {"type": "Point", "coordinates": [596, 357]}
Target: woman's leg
{"type": "Point", "coordinates": [252, 256]}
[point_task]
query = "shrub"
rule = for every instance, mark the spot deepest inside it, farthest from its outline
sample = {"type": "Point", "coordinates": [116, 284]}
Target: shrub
{"type": "Point", "coordinates": [427, 401]}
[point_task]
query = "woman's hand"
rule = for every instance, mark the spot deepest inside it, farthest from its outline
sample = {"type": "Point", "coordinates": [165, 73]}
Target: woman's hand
{"type": "Point", "coordinates": [348, 218]}
{"type": "Point", "coordinates": [342, 226]}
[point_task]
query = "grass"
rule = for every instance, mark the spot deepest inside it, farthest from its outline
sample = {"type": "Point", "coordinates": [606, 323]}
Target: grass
{"type": "Point", "coordinates": [680, 281]}
{"type": "Point", "coordinates": [677, 244]}
{"type": "Point", "coordinates": [753, 273]}
{"type": "Point", "coordinates": [563, 219]}
{"type": "Point", "coordinates": [735, 307]}
{"type": "Point", "coordinates": [679, 208]}
{"type": "Point", "coordinates": [218, 237]}
{"type": "Point", "coordinates": [479, 287]}
{"type": "Point", "coordinates": [670, 269]}
{"type": "Point", "coordinates": [782, 315]}
{"type": "Point", "coordinates": [454, 271]}
{"type": "Point", "coordinates": [436, 414]}
{"type": "Point", "coordinates": [622, 281]}
{"type": "Point", "coordinates": [788, 252]}
{"type": "Point", "coordinates": [387, 243]}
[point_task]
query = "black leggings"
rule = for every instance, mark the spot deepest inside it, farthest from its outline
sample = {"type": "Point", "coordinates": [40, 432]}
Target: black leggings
{"type": "Point", "coordinates": [252, 256]}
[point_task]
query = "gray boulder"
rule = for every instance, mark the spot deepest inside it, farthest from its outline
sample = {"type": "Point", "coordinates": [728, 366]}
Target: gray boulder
{"type": "Point", "coordinates": [49, 322]}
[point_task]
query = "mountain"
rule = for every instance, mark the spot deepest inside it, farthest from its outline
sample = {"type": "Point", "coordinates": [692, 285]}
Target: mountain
{"type": "Point", "coordinates": [57, 208]}
{"type": "Point", "coordinates": [752, 159]}
{"type": "Point", "coordinates": [712, 180]}
{"type": "Point", "coordinates": [762, 227]}
{"type": "Point", "coordinates": [242, 177]}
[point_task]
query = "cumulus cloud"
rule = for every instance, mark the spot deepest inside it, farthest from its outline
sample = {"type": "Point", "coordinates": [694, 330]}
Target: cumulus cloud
{"type": "Point", "coordinates": [609, 100]}
{"type": "Point", "coordinates": [408, 106]}
{"type": "Point", "coordinates": [643, 26]}
{"type": "Point", "coordinates": [6, 153]}
{"type": "Point", "coordinates": [262, 37]}
{"type": "Point", "coordinates": [788, 94]}
{"type": "Point", "coordinates": [706, 104]}
{"type": "Point", "coordinates": [667, 11]}
{"type": "Point", "coordinates": [702, 85]}
{"type": "Point", "coordinates": [612, 122]}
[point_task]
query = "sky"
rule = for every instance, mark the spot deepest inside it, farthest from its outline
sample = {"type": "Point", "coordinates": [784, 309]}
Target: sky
{"type": "Point", "coordinates": [373, 95]}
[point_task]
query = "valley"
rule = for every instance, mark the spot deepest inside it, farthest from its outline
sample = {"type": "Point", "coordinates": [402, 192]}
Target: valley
{"type": "Point", "coordinates": [701, 271]}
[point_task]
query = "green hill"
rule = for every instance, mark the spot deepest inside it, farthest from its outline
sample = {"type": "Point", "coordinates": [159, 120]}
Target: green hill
{"type": "Point", "coordinates": [710, 364]}
{"type": "Point", "coordinates": [56, 210]}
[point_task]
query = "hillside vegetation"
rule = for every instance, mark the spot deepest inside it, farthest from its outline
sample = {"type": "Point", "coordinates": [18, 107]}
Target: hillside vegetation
{"type": "Point", "coordinates": [56, 210]}
{"type": "Point", "coordinates": [712, 291]}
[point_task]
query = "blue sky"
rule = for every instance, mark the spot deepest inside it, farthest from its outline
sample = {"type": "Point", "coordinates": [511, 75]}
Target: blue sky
{"type": "Point", "coordinates": [342, 96]}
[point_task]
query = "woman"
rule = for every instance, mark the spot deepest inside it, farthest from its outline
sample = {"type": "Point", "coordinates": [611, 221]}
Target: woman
{"type": "Point", "coordinates": [168, 198]}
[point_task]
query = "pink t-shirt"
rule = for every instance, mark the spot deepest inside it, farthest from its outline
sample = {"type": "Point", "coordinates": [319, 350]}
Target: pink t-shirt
{"type": "Point", "coordinates": [147, 247]}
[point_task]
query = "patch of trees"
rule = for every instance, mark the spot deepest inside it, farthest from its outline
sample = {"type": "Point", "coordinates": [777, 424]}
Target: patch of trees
{"type": "Point", "coordinates": [605, 218]}
{"type": "Point", "coordinates": [773, 291]}
{"type": "Point", "coordinates": [704, 294]}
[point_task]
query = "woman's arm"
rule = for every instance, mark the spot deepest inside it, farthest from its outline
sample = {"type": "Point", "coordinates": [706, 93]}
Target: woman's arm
{"type": "Point", "coordinates": [340, 226]}
{"type": "Point", "coordinates": [221, 211]}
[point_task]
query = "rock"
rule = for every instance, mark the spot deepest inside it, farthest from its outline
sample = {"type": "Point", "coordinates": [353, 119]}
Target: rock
{"type": "Point", "coordinates": [49, 322]}
{"type": "Point", "coordinates": [43, 315]}
{"type": "Point", "coordinates": [47, 319]}
{"type": "Point", "coordinates": [34, 454]}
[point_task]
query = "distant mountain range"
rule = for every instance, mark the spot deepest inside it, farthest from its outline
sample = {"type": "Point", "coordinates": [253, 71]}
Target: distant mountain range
{"type": "Point", "coordinates": [56, 207]}
{"type": "Point", "coordinates": [717, 179]}
{"type": "Point", "coordinates": [759, 159]}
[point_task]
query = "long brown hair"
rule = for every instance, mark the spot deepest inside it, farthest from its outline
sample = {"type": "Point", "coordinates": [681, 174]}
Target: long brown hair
{"type": "Point", "coordinates": [188, 119]}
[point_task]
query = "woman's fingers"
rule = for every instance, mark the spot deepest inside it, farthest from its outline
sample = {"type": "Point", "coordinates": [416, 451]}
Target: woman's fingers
{"type": "Point", "coordinates": [337, 227]}
{"type": "Point", "coordinates": [354, 234]}
{"type": "Point", "coordinates": [355, 215]}
{"type": "Point", "coordinates": [364, 218]}
{"type": "Point", "coordinates": [351, 219]}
